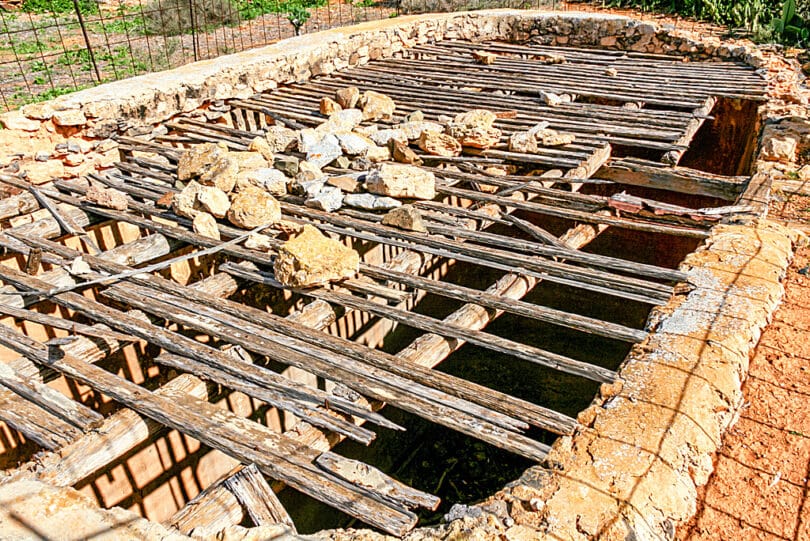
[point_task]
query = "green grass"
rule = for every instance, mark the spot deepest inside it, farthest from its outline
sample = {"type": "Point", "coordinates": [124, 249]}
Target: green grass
{"type": "Point", "coordinates": [251, 9]}
{"type": "Point", "coordinates": [59, 6]}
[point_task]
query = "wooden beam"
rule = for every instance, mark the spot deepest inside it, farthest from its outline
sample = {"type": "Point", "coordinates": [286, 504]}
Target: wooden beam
{"type": "Point", "coordinates": [674, 179]}
{"type": "Point", "coordinates": [220, 429]}
{"type": "Point", "coordinates": [261, 503]}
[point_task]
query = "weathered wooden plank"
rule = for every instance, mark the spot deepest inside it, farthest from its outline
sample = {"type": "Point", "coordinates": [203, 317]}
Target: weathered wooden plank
{"type": "Point", "coordinates": [674, 179]}
{"type": "Point", "coordinates": [357, 472]}
{"type": "Point", "coordinates": [220, 429]}
{"type": "Point", "coordinates": [276, 390]}
{"type": "Point", "coordinates": [256, 496]}
{"type": "Point", "coordinates": [444, 328]}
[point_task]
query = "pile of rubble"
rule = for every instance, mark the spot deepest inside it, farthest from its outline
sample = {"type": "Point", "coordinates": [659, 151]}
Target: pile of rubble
{"type": "Point", "coordinates": [372, 168]}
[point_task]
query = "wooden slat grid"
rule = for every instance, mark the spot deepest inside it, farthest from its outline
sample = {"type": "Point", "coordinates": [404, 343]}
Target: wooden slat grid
{"type": "Point", "coordinates": [670, 102]}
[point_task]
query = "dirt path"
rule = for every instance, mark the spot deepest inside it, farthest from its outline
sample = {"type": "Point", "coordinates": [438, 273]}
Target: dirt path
{"type": "Point", "coordinates": [760, 488]}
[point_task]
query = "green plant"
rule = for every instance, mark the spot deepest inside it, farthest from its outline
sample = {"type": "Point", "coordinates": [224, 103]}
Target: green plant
{"type": "Point", "coordinates": [79, 58]}
{"type": "Point", "coordinates": [175, 17]}
{"type": "Point", "coordinates": [298, 15]}
{"type": "Point", "coordinates": [250, 9]}
{"type": "Point", "coordinates": [789, 26]}
{"type": "Point", "coordinates": [59, 6]}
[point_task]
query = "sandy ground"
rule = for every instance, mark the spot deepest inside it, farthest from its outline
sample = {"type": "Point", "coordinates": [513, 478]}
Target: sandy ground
{"type": "Point", "coordinates": [760, 488]}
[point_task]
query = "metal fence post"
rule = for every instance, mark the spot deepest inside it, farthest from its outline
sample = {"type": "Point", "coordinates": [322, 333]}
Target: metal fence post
{"type": "Point", "coordinates": [86, 39]}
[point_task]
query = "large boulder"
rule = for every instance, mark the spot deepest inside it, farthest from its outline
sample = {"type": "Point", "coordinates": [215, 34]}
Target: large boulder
{"type": "Point", "coordinates": [253, 207]}
{"type": "Point", "coordinates": [475, 129]}
{"type": "Point", "coordinates": [311, 258]}
{"type": "Point", "coordinates": [213, 200]}
{"type": "Point", "coordinates": [439, 144]}
{"type": "Point", "coordinates": [199, 159]}
{"type": "Point", "coordinates": [223, 171]}
{"type": "Point", "coordinates": [280, 138]}
{"type": "Point", "coordinates": [376, 106]}
{"type": "Point", "coordinates": [406, 217]}
{"type": "Point", "coordinates": [195, 198]}
{"type": "Point", "coordinates": [347, 97]}
{"type": "Point", "coordinates": [400, 180]}
{"type": "Point", "coordinates": [204, 224]}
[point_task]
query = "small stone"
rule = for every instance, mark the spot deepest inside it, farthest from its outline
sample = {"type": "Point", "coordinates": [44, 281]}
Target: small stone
{"type": "Point", "coordinates": [778, 149]}
{"type": "Point", "coordinates": [329, 106]}
{"type": "Point", "coordinates": [325, 151]}
{"type": "Point", "coordinates": [360, 164]}
{"type": "Point", "coordinates": [803, 174]}
{"type": "Point", "coordinates": [204, 224]}
{"type": "Point", "coordinates": [484, 57]}
{"type": "Point", "coordinates": [439, 144]}
{"type": "Point", "coordinates": [72, 160]}
{"type": "Point", "coordinates": [550, 98]}
{"type": "Point", "coordinates": [270, 180]}
{"type": "Point", "coordinates": [328, 199]}
{"type": "Point", "coordinates": [308, 171]}
{"type": "Point", "coordinates": [347, 97]}
{"type": "Point", "coordinates": [311, 258]}
{"type": "Point", "coordinates": [165, 200]}
{"type": "Point", "coordinates": [213, 200]}
{"type": "Point", "coordinates": [185, 203]}
{"type": "Point", "coordinates": [551, 138]}
{"type": "Point", "coordinates": [342, 121]}
{"type": "Point", "coordinates": [354, 144]}
{"type": "Point", "coordinates": [416, 116]}
{"type": "Point", "coordinates": [376, 154]}
{"type": "Point", "coordinates": [347, 183]}
{"type": "Point", "coordinates": [222, 173]}
{"type": "Point", "coordinates": [38, 111]}
{"type": "Point", "coordinates": [254, 207]}
{"type": "Point", "coordinates": [280, 138]}
{"type": "Point", "coordinates": [308, 139]}
{"type": "Point", "coordinates": [107, 197]}
{"type": "Point", "coordinates": [406, 217]}
{"type": "Point", "coordinates": [260, 145]}
{"type": "Point", "coordinates": [42, 156]}
{"type": "Point", "coordinates": [257, 241]}
{"type": "Point", "coordinates": [549, 58]}
{"type": "Point", "coordinates": [400, 180]}
{"type": "Point", "coordinates": [15, 120]}
{"type": "Point", "coordinates": [402, 153]}
{"type": "Point", "coordinates": [414, 130]}
{"type": "Point", "coordinates": [611, 72]}
{"type": "Point", "coordinates": [368, 201]}
{"type": "Point", "coordinates": [199, 159]}
{"type": "Point", "coordinates": [383, 137]}
{"type": "Point", "coordinates": [287, 165]}
{"type": "Point", "coordinates": [70, 117]}
{"type": "Point", "coordinates": [524, 142]}
{"type": "Point", "coordinates": [377, 106]}
{"type": "Point", "coordinates": [475, 129]}
{"type": "Point", "coordinates": [307, 188]}
{"type": "Point", "coordinates": [342, 162]}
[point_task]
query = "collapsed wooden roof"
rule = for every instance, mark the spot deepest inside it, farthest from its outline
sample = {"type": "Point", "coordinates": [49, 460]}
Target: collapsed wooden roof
{"type": "Point", "coordinates": [669, 102]}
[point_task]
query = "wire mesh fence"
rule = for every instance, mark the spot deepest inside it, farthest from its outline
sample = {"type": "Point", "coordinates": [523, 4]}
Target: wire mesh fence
{"type": "Point", "coordinates": [52, 47]}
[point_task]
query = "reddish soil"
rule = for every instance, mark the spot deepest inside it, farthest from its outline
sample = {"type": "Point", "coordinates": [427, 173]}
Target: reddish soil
{"type": "Point", "coordinates": [760, 488]}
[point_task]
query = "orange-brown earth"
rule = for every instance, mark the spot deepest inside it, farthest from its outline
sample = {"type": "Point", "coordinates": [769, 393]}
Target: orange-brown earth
{"type": "Point", "coordinates": [760, 488]}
